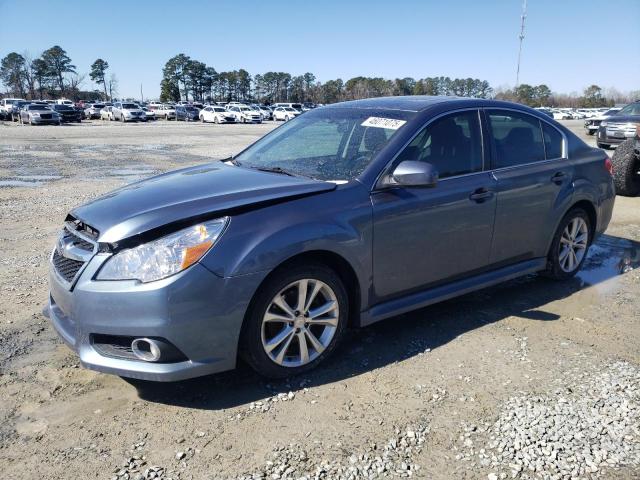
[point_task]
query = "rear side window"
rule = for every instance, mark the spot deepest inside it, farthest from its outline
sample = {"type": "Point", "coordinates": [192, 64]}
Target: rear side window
{"type": "Point", "coordinates": [517, 138]}
{"type": "Point", "coordinates": [552, 141]}
{"type": "Point", "coordinates": [452, 144]}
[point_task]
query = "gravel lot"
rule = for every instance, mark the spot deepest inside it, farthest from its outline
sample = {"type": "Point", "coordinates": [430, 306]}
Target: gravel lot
{"type": "Point", "coordinates": [529, 379]}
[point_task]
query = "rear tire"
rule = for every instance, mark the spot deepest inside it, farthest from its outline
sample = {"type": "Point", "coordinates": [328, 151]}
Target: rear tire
{"type": "Point", "coordinates": [294, 329]}
{"type": "Point", "coordinates": [569, 247]}
{"type": "Point", "coordinates": [625, 169]}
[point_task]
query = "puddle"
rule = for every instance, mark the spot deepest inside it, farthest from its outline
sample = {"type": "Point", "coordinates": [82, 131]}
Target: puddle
{"type": "Point", "coordinates": [28, 180]}
{"type": "Point", "coordinates": [20, 183]}
{"type": "Point", "coordinates": [609, 258]}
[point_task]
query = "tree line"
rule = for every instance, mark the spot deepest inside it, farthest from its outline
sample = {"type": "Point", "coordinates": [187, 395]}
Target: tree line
{"type": "Point", "coordinates": [53, 74]}
{"type": "Point", "coordinates": [184, 78]}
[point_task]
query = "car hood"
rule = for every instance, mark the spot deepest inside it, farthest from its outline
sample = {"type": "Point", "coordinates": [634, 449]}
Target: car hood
{"type": "Point", "coordinates": [188, 195]}
{"type": "Point", "coordinates": [624, 118]}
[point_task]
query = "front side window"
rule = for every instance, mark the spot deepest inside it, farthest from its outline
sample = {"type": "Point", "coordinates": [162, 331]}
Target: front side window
{"type": "Point", "coordinates": [452, 144]}
{"type": "Point", "coordinates": [326, 144]}
{"type": "Point", "coordinates": [517, 138]}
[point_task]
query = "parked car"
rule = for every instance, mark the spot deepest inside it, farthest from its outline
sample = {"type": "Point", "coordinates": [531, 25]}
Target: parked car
{"type": "Point", "coordinates": [187, 113]}
{"type": "Point", "coordinates": [295, 106]}
{"type": "Point", "coordinates": [562, 115]}
{"type": "Point", "coordinates": [128, 112]}
{"type": "Point", "coordinates": [244, 114]}
{"type": "Point", "coordinates": [266, 112]}
{"type": "Point", "coordinates": [216, 114]}
{"type": "Point", "coordinates": [64, 101]}
{"type": "Point", "coordinates": [67, 113]}
{"type": "Point", "coordinates": [150, 114]}
{"type": "Point", "coordinates": [15, 108]}
{"type": "Point", "coordinates": [620, 126]}
{"type": "Point", "coordinates": [39, 114]}
{"type": "Point", "coordinates": [6, 106]}
{"type": "Point", "coordinates": [592, 124]}
{"type": "Point", "coordinates": [93, 111]}
{"type": "Point", "coordinates": [167, 112]}
{"type": "Point", "coordinates": [626, 166]}
{"type": "Point", "coordinates": [347, 215]}
{"type": "Point", "coordinates": [107, 113]}
{"type": "Point", "coordinates": [285, 113]}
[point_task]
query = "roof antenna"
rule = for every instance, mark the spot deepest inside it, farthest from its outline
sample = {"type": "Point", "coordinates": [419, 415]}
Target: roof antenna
{"type": "Point", "coordinates": [521, 37]}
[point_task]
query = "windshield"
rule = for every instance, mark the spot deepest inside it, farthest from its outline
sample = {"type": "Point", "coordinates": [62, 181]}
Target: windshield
{"type": "Point", "coordinates": [130, 106]}
{"type": "Point", "coordinates": [611, 112]}
{"type": "Point", "coordinates": [191, 109]}
{"type": "Point", "coordinates": [97, 105]}
{"type": "Point", "coordinates": [62, 107]}
{"type": "Point", "coordinates": [38, 107]}
{"type": "Point", "coordinates": [219, 109]}
{"type": "Point", "coordinates": [326, 144]}
{"type": "Point", "coordinates": [631, 109]}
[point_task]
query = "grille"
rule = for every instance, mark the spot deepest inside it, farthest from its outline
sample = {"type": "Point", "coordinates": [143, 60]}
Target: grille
{"type": "Point", "coordinates": [45, 116]}
{"type": "Point", "coordinates": [78, 242]}
{"type": "Point", "coordinates": [66, 267]}
{"type": "Point", "coordinates": [113, 346]}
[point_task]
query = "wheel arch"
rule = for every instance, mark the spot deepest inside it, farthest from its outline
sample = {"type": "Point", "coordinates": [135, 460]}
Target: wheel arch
{"type": "Point", "coordinates": [589, 208]}
{"type": "Point", "coordinates": [336, 262]}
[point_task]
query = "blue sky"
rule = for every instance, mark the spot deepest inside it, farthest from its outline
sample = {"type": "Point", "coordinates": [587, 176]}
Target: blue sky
{"type": "Point", "coordinates": [566, 46]}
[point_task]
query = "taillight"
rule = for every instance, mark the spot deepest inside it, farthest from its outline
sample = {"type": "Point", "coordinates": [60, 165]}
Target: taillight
{"type": "Point", "coordinates": [608, 165]}
{"type": "Point", "coordinates": [638, 130]}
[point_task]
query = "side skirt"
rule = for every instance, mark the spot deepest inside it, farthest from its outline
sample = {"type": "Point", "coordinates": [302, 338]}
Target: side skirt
{"type": "Point", "coordinates": [424, 298]}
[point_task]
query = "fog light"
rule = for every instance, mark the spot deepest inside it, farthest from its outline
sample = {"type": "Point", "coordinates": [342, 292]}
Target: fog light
{"type": "Point", "coordinates": [146, 349]}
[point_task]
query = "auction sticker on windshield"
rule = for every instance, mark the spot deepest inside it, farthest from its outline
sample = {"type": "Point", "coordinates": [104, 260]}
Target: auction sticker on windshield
{"type": "Point", "coordinates": [379, 122]}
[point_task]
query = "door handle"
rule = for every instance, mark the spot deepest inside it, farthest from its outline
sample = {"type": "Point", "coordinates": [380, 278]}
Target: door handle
{"type": "Point", "coordinates": [480, 195]}
{"type": "Point", "coordinates": [559, 177]}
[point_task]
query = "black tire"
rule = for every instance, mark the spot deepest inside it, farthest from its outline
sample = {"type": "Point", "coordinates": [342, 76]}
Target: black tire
{"type": "Point", "coordinates": [554, 269]}
{"type": "Point", "coordinates": [591, 132]}
{"type": "Point", "coordinates": [251, 348]}
{"type": "Point", "coordinates": [625, 169]}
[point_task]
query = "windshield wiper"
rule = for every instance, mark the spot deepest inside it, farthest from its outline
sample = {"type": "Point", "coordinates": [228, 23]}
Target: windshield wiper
{"type": "Point", "coordinates": [276, 170]}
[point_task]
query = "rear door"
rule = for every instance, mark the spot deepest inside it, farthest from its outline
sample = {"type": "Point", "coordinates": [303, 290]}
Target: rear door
{"type": "Point", "coordinates": [534, 176]}
{"type": "Point", "coordinates": [426, 236]}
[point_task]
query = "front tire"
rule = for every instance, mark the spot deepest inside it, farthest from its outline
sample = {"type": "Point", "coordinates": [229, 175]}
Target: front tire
{"type": "Point", "coordinates": [570, 245]}
{"type": "Point", "coordinates": [625, 169]}
{"type": "Point", "coordinates": [295, 321]}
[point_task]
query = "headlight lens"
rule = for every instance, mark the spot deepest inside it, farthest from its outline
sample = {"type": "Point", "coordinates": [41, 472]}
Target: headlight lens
{"type": "Point", "coordinates": [166, 256]}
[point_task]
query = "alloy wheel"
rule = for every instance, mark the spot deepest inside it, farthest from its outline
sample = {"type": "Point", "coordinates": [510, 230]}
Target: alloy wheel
{"type": "Point", "coordinates": [573, 244]}
{"type": "Point", "coordinates": [300, 322]}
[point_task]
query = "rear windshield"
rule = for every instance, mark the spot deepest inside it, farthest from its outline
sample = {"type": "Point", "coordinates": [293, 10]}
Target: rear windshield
{"type": "Point", "coordinates": [62, 107]}
{"type": "Point", "coordinates": [97, 105]}
{"type": "Point", "coordinates": [130, 106]}
{"type": "Point", "coordinates": [38, 107]}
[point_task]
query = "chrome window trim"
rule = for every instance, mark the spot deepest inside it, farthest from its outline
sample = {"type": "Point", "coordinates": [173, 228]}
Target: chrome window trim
{"type": "Point", "coordinates": [565, 142]}
{"type": "Point", "coordinates": [377, 184]}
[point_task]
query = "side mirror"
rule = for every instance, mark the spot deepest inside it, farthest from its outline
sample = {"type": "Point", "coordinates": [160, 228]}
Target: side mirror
{"type": "Point", "coordinates": [411, 173]}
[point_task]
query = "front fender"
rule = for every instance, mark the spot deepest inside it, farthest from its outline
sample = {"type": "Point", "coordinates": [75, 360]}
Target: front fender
{"type": "Point", "coordinates": [338, 222]}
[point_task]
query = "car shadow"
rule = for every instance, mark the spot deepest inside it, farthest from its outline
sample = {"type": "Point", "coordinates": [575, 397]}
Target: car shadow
{"type": "Point", "coordinates": [402, 337]}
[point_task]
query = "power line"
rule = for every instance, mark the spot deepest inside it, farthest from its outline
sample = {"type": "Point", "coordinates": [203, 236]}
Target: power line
{"type": "Point", "coordinates": [521, 36]}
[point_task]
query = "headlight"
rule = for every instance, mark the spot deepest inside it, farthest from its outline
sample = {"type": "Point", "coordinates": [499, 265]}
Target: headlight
{"type": "Point", "coordinates": [166, 256]}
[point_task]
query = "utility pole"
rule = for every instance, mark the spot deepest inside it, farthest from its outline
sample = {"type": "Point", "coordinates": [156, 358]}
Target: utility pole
{"type": "Point", "coordinates": [521, 36]}
{"type": "Point", "coordinates": [141, 95]}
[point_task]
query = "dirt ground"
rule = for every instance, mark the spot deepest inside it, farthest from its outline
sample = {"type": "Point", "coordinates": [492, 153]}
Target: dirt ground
{"type": "Point", "coordinates": [432, 393]}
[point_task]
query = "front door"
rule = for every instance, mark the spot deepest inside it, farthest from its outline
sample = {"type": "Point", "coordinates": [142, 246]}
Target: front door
{"type": "Point", "coordinates": [426, 236]}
